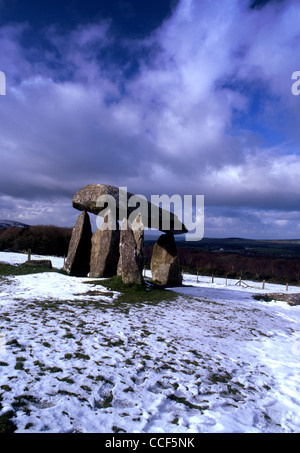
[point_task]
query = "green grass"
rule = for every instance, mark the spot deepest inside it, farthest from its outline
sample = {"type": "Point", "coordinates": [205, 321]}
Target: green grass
{"type": "Point", "coordinates": [6, 425]}
{"type": "Point", "coordinates": [263, 297]}
{"type": "Point", "coordinates": [184, 401]}
{"type": "Point", "coordinates": [133, 293]}
{"type": "Point", "coordinates": [23, 269]}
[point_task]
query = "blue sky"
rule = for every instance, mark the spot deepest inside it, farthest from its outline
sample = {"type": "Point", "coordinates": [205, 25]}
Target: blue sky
{"type": "Point", "coordinates": [164, 97]}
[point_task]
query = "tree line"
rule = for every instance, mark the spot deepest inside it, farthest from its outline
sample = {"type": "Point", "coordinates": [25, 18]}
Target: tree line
{"type": "Point", "coordinates": [53, 240]}
{"type": "Point", "coordinates": [41, 239]}
{"type": "Point", "coordinates": [236, 265]}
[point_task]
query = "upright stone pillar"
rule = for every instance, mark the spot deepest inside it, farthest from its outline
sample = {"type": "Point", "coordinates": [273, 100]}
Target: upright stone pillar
{"type": "Point", "coordinates": [131, 261]}
{"type": "Point", "coordinates": [105, 249]}
{"type": "Point", "coordinates": [78, 259]}
{"type": "Point", "coordinates": [137, 227]}
{"type": "Point", "coordinates": [164, 263]}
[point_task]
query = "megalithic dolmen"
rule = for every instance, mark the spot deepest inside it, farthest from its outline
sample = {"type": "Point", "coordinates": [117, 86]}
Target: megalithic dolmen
{"type": "Point", "coordinates": [135, 212]}
{"type": "Point", "coordinates": [94, 198]}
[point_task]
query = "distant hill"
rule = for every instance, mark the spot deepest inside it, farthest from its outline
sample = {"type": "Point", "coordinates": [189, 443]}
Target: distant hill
{"type": "Point", "coordinates": [11, 223]}
{"type": "Point", "coordinates": [238, 257]}
{"type": "Point", "coordinates": [247, 247]}
{"type": "Point", "coordinates": [41, 239]}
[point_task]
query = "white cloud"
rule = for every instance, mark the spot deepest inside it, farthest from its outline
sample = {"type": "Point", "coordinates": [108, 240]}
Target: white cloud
{"type": "Point", "coordinates": [71, 117]}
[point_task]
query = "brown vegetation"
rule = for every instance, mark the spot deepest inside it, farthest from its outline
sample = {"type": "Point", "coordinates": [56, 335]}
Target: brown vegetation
{"type": "Point", "coordinates": [41, 239]}
{"type": "Point", "coordinates": [53, 240]}
{"type": "Point", "coordinates": [234, 265]}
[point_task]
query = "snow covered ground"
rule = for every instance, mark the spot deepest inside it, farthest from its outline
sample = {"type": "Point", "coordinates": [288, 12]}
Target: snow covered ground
{"type": "Point", "coordinates": [215, 360]}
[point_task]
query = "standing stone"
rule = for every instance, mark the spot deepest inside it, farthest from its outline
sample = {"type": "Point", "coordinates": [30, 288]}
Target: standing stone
{"type": "Point", "coordinates": [130, 265]}
{"type": "Point", "coordinates": [78, 259]}
{"type": "Point", "coordinates": [164, 263]}
{"type": "Point", "coordinates": [105, 250]}
{"type": "Point", "coordinates": [138, 232]}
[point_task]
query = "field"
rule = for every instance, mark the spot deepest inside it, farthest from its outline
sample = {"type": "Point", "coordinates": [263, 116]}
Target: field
{"type": "Point", "coordinates": [250, 247]}
{"type": "Point", "coordinates": [273, 261]}
{"type": "Point", "coordinates": [204, 358]}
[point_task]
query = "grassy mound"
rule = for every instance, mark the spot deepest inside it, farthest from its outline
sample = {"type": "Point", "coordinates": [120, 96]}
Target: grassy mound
{"type": "Point", "coordinates": [133, 293]}
{"type": "Point", "coordinates": [24, 269]}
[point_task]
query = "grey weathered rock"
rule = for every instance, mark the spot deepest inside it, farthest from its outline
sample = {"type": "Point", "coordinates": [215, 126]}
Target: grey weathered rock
{"type": "Point", "coordinates": [291, 299]}
{"type": "Point", "coordinates": [78, 259]}
{"type": "Point", "coordinates": [105, 250]}
{"type": "Point", "coordinates": [98, 254]}
{"type": "Point", "coordinates": [137, 227]}
{"type": "Point", "coordinates": [131, 261]}
{"type": "Point", "coordinates": [39, 263]}
{"type": "Point", "coordinates": [86, 200]}
{"type": "Point", "coordinates": [164, 262]}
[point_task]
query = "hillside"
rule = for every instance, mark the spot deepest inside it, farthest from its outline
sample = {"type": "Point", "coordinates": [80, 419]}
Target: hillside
{"type": "Point", "coordinates": [286, 248]}
{"type": "Point", "coordinates": [41, 239]}
{"type": "Point", "coordinates": [271, 260]}
{"type": "Point", "coordinates": [214, 360]}
{"type": "Point", "coordinates": [4, 224]}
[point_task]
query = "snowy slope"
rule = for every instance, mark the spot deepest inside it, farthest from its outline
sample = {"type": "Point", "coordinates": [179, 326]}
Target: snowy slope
{"type": "Point", "coordinates": [216, 360]}
{"type": "Point", "coordinates": [11, 223]}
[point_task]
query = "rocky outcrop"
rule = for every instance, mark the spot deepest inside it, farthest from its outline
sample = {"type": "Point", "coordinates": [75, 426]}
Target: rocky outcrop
{"type": "Point", "coordinates": [39, 263]}
{"type": "Point", "coordinates": [291, 299]}
{"type": "Point", "coordinates": [164, 263]}
{"type": "Point", "coordinates": [78, 259]}
{"type": "Point", "coordinates": [87, 199]}
{"type": "Point", "coordinates": [105, 250]}
{"type": "Point", "coordinates": [131, 261]}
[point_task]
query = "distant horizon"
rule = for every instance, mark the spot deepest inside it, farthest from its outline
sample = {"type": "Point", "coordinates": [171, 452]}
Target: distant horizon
{"type": "Point", "coordinates": [155, 233]}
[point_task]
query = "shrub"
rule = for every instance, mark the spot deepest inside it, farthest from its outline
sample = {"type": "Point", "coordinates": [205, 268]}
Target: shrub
{"type": "Point", "coordinates": [41, 239]}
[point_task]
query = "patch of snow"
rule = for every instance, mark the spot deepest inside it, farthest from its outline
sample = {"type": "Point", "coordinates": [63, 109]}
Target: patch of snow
{"type": "Point", "coordinates": [12, 223]}
{"type": "Point", "coordinates": [215, 360]}
{"type": "Point", "coordinates": [19, 258]}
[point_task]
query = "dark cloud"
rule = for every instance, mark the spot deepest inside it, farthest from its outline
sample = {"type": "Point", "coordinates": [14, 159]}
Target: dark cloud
{"type": "Point", "coordinates": [258, 4]}
{"type": "Point", "coordinates": [209, 110]}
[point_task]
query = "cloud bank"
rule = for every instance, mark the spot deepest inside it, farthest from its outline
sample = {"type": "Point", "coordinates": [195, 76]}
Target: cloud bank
{"type": "Point", "coordinates": [203, 105]}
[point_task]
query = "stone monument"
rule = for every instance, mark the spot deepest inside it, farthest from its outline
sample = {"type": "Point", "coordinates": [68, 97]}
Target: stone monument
{"type": "Point", "coordinates": [112, 250]}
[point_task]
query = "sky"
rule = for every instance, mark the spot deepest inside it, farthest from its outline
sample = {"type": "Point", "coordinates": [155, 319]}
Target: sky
{"type": "Point", "coordinates": [188, 97]}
